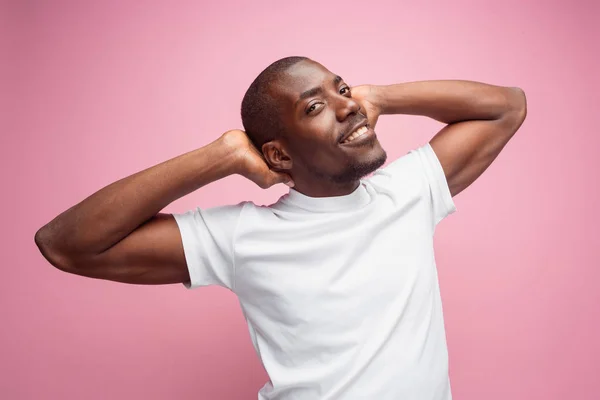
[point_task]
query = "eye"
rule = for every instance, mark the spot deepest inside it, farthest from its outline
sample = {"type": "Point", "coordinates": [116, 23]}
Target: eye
{"type": "Point", "coordinates": [312, 108]}
{"type": "Point", "coordinates": [345, 90]}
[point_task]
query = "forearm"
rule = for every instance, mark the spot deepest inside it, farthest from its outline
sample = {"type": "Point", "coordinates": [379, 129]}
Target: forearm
{"type": "Point", "coordinates": [448, 101]}
{"type": "Point", "coordinates": [109, 215]}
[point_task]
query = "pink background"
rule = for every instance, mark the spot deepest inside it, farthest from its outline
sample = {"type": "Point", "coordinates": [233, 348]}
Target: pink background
{"type": "Point", "coordinates": [100, 90]}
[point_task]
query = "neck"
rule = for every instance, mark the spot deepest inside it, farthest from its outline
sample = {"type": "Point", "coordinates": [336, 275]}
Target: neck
{"type": "Point", "coordinates": [325, 189]}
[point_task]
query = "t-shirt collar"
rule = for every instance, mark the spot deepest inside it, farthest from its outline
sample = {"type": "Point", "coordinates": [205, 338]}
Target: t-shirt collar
{"type": "Point", "coordinates": [358, 198]}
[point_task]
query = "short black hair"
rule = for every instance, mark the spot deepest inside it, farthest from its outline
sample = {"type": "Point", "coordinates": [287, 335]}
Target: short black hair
{"type": "Point", "coordinates": [260, 112]}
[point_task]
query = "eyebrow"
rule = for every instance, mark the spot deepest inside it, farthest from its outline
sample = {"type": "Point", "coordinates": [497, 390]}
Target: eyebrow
{"type": "Point", "coordinates": [316, 90]}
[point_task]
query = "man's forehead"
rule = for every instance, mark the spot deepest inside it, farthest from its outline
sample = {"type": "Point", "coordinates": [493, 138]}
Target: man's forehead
{"type": "Point", "coordinates": [300, 77]}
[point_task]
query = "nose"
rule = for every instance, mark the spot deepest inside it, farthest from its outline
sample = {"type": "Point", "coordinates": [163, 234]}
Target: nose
{"type": "Point", "coordinates": [345, 107]}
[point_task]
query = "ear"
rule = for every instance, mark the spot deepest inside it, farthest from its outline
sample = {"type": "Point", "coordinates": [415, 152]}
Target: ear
{"type": "Point", "coordinates": [276, 156]}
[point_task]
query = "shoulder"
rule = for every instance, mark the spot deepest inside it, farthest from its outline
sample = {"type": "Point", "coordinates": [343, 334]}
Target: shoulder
{"type": "Point", "coordinates": [403, 170]}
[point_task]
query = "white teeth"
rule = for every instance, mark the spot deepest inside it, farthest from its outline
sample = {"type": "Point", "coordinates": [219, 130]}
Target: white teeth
{"type": "Point", "coordinates": [355, 134]}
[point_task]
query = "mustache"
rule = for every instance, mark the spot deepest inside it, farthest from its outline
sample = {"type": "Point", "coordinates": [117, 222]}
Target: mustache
{"type": "Point", "coordinates": [351, 123]}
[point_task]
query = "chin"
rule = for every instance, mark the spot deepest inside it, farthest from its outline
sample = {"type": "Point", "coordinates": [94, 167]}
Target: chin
{"type": "Point", "coordinates": [366, 165]}
{"type": "Point", "coordinates": [373, 163]}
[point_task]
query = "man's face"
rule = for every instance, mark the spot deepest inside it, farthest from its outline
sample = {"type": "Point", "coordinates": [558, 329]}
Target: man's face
{"type": "Point", "coordinates": [318, 113]}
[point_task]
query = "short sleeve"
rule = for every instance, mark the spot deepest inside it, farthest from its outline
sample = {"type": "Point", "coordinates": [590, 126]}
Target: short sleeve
{"type": "Point", "coordinates": [440, 196]}
{"type": "Point", "coordinates": [208, 241]}
{"type": "Point", "coordinates": [421, 169]}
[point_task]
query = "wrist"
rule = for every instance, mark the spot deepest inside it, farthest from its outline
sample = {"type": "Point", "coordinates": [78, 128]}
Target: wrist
{"type": "Point", "coordinates": [227, 149]}
{"type": "Point", "coordinates": [379, 98]}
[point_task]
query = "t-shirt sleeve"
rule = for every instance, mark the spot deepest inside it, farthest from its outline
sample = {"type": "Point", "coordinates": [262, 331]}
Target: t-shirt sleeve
{"type": "Point", "coordinates": [208, 237]}
{"type": "Point", "coordinates": [439, 192]}
{"type": "Point", "coordinates": [423, 164]}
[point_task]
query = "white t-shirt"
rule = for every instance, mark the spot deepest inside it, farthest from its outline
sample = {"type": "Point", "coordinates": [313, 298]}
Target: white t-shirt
{"type": "Point", "coordinates": [340, 294]}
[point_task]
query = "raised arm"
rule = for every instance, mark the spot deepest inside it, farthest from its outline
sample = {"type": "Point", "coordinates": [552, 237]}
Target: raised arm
{"type": "Point", "coordinates": [118, 233]}
{"type": "Point", "coordinates": [481, 119]}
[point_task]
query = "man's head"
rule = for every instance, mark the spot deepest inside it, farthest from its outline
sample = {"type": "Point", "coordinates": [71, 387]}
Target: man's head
{"type": "Point", "coordinates": [298, 113]}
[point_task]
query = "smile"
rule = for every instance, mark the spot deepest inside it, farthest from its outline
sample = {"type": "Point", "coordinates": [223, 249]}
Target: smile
{"type": "Point", "coordinates": [356, 134]}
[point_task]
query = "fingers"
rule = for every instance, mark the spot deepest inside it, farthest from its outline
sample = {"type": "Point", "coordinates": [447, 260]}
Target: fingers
{"type": "Point", "coordinates": [373, 121]}
{"type": "Point", "coordinates": [273, 178]}
{"type": "Point", "coordinates": [278, 177]}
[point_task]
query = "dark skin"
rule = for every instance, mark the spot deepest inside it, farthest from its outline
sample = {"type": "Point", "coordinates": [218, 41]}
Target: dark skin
{"type": "Point", "coordinates": [309, 150]}
{"type": "Point", "coordinates": [120, 234]}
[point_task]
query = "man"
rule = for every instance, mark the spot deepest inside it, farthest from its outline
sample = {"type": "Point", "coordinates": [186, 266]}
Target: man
{"type": "Point", "coordinates": [337, 279]}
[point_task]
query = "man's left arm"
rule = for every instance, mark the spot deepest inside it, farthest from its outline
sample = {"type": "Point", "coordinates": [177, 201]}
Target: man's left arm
{"type": "Point", "coordinates": [480, 120]}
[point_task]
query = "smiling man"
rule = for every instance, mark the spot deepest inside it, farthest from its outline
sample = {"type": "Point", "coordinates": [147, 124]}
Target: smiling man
{"type": "Point", "coordinates": [337, 279]}
{"type": "Point", "coordinates": [325, 142]}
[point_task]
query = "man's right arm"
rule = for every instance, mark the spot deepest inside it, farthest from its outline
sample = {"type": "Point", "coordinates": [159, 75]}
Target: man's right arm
{"type": "Point", "coordinates": [119, 234]}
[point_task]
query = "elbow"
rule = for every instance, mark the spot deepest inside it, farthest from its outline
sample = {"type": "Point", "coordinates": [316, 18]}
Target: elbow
{"type": "Point", "coordinates": [516, 109]}
{"type": "Point", "coordinates": [518, 104]}
{"type": "Point", "coordinates": [45, 243]}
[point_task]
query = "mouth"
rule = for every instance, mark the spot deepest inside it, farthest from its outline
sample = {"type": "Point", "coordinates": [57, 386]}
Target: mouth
{"type": "Point", "coordinates": [359, 130]}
